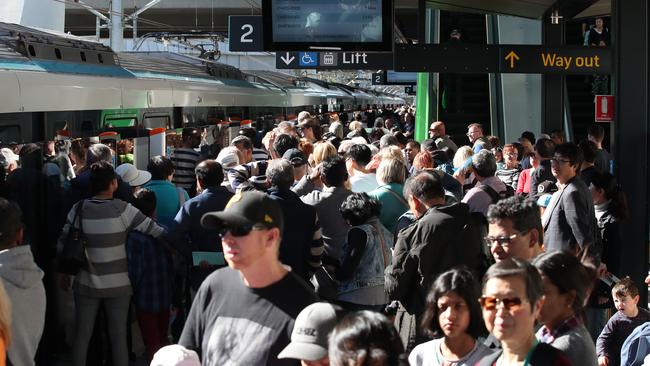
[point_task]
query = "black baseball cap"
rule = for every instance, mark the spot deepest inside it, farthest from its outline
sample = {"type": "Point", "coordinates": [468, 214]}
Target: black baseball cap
{"type": "Point", "coordinates": [295, 156]}
{"type": "Point", "coordinates": [246, 209]}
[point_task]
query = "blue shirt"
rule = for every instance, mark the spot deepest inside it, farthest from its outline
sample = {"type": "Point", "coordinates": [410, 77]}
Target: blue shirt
{"type": "Point", "coordinates": [150, 272]}
{"type": "Point", "coordinates": [167, 200]}
{"type": "Point", "coordinates": [393, 204]}
{"type": "Point", "coordinates": [189, 236]}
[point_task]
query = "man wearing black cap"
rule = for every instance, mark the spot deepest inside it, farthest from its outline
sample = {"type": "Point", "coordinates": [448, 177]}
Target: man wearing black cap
{"type": "Point", "coordinates": [243, 314]}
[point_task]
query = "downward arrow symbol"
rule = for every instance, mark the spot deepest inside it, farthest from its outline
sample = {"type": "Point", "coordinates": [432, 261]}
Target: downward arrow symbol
{"type": "Point", "coordinates": [288, 59]}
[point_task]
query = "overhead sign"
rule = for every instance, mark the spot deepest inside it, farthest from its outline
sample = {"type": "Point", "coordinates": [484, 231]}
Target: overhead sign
{"type": "Point", "coordinates": [604, 108]}
{"type": "Point", "coordinates": [525, 59]}
{"type": "Point", "coordinates": [554, 60]}
{"type": "Point", "coordinates": [334, 60]}
{"type": "Point", "coordinates": [409, 90]}
{"type": "Point", "coordinates": [245, 33]}
{"type": "Point", "coordinates": [378, 78]}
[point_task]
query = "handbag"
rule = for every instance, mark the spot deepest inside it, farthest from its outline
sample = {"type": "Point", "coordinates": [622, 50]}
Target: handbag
{"type": "Point", "coordinates": [73, 256]}
{"type": "Point", "coordinates": [325, 285]}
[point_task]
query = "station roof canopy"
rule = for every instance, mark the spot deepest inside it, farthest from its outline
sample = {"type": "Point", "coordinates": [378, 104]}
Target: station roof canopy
{"type": "Point", "coordinates": [212, 15]}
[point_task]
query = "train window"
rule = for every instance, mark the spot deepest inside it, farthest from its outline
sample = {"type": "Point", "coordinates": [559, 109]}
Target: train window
{"type": "Point", "coordinates": [120, 122]}
{"type": "Point", "coordinates": [32, 51]}
{"type": "Point", "coordinates": [83, 56]}
{"type": "Point", "coordinates": [57, 52]}
{"type": "Point", "coordinates": [157, 121]}
{"type": "Point", "coordinates": [100, 58]}
{"type": "Point", "coordinates": [10, 133]}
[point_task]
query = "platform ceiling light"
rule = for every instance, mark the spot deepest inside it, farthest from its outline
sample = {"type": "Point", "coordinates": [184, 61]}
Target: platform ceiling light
{"type": "Point", "coordinates": [555, 17]}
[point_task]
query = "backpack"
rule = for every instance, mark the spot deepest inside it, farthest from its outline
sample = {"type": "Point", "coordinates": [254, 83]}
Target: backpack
{"type": "Point", "coordinates": [497, 196]}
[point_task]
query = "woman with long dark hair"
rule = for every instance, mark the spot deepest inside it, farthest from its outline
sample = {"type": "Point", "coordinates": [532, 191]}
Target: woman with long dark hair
{"type": "Point", "coordinates": [611, 208]}
{"type": "Point", "coordinates": [453, 318]}
{"type": "Point", "coordinates": [566, 282]}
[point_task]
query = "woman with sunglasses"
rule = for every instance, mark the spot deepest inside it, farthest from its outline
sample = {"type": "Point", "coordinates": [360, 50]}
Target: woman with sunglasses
{"type": "Point", "coordinates": [453, 318]}
{"type": "Point", "coordinates": [565, 288]}
{"type": "Point", "coordinates": [513, 296]}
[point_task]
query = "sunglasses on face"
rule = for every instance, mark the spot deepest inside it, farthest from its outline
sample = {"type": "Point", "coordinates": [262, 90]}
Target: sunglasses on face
{"type": "Point", "coordinates": [238, 231]}
{"type": "Point", "coordinates": [490, 303]}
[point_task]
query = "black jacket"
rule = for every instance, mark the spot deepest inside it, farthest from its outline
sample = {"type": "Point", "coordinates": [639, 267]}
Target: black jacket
{"type": "Point", "coordinates": [443, 238]}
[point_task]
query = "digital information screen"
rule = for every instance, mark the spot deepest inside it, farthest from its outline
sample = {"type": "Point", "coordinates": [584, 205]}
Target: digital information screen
{"type": "Point", "coordinates": [401, 78]}
{"type": "Point", "coordinates": [339, 24]}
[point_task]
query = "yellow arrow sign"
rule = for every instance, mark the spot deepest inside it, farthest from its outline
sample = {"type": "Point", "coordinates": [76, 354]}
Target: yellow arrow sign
{"type": "Point", "coordinates": [512, 57]}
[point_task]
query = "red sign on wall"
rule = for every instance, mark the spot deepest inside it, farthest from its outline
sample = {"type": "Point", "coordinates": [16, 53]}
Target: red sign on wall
{"type": "Point", "coordinates": [604, 108]}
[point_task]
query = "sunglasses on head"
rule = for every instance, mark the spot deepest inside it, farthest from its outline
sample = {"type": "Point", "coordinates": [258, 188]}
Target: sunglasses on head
{"type": "Point", "coordinates": [490, 303]}
{"type": "Point", "coordinates": [238, 231]}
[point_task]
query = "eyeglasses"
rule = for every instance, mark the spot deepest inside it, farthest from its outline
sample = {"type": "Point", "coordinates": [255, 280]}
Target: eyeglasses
{"type": "Point", "coordinates": [239, 231]}
{"type": "Point", "coordinates": [490, 303]}
{"type": "Point", "coordinates": [502, 241]}
{"type": "Point", "coordinates": [559, 161]}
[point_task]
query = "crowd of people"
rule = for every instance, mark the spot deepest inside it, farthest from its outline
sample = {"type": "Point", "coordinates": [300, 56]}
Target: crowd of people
{"type": "Point", "coordinates": [321, 242]}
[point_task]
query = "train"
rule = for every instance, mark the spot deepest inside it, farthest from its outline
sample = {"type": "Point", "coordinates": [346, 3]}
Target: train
{"type": "Point", "coordinates": [55, 82]}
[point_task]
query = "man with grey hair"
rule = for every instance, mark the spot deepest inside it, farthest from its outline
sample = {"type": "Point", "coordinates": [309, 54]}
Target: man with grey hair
{"type": "Point", "coordinates": [387, 140]}
{"type": "Point", "coordinates": [489, 188]}
{"type": "Point", "coordinates": [302, 244]}
{"type": "Point", "coordinates": [79, 187]}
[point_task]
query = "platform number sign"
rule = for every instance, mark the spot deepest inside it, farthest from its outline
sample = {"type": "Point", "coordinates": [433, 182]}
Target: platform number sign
{"type": "Point", "coordinates": [378, 78]}
{"type": "Point", "coordinates": [409, 90]}
{"type": "Point", "coordinates": [245, 33]}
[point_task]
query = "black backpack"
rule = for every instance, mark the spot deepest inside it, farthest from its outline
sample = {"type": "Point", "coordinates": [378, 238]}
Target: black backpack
{"type": "Point", "coordinates": [497, 196]}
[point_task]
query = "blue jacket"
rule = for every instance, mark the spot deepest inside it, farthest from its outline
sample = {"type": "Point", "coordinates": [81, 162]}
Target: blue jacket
{"type": "Point", "coordinates": [188, 235]}
{"type": "Point", "coordinates": [376, 257]}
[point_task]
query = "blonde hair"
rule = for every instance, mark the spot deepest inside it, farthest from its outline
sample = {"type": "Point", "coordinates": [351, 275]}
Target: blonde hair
{"type": "Point", "coordinates": [463, 153]}
{"type": "Point", "coordinates": [5, 316]}
{"type": "Point", "coordinates": [355, 125]}
{"type": "Point", "coordinates": [392, 152]}
{"type": "Point", "coordinates": [322, 150]}
{"type": "Point", "coordinates": [391, 171]}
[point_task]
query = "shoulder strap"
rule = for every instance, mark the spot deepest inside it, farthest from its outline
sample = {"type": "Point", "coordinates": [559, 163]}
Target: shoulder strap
{"type": "Point", "coordinates": [78, 216]}
{"type": "Point", "coordinates": [494, 195]}
{"type": "Point", "coordinates": [399, 197]}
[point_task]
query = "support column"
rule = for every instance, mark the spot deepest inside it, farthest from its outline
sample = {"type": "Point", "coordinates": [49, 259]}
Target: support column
{"type": "Point", "coordinates": [553, 86]}
{"type": "Point", "coordinates": [427, 83]}
{"type": "Point", "coordinates": [117, 27]}
{"type": "Point", "coordinates": [630, 32]}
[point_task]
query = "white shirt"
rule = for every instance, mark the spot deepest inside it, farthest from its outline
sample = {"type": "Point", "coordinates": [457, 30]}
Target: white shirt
{"type": "Point", "coordinates": [363, 182]}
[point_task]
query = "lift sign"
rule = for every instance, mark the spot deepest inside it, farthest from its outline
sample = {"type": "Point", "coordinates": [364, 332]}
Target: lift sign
{"type": "Point", "coordinates": [561, 60]}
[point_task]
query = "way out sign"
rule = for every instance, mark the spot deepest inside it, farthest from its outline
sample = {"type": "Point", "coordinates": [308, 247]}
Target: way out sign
{"type": "Point", "coordinates": [604, 108]}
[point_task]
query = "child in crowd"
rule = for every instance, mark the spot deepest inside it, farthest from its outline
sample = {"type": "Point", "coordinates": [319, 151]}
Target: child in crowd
{"type": "Point", "coordinates": [618, 328]}
{"type": "Point", "coordinates": [150, 272]}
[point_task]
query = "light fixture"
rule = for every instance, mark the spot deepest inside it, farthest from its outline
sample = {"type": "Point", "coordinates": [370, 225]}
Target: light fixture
{"type": "Point", "coordinates": [555, 17]}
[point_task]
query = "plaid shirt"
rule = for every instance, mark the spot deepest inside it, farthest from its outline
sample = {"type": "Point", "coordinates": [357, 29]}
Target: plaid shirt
{"type": "Point", "coordinates": [547, 336]}
{"type": "Point", "coordinates": [150, 272]}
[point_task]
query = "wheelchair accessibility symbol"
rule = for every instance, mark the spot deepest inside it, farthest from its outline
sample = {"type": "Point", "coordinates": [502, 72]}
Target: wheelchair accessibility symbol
{"type": "Point", "coordinates": [308, 58]}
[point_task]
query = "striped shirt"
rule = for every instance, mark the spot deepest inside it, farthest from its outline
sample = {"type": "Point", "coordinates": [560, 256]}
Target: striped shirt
{"type": "Point", "coordinates": [509, 176]}
{"type": "Point", "coordinates": [260, 155]}
{"type": "Point", "coordinates": [185, 161]}
{"type": "Point", "coordinates": [106, 224]}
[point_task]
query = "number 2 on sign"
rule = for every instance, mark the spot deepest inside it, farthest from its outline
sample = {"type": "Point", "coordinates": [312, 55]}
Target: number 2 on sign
{"type": "Point", "coordinates": [248, 30]}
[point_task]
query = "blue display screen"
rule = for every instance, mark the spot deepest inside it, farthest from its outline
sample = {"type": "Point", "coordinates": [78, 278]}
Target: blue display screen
{"type": "Point", "coordinates": [323, 21]}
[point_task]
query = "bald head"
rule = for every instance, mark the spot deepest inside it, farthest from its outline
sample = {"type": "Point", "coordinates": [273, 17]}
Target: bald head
{"type": "Point", "coordinates": [437, 129]}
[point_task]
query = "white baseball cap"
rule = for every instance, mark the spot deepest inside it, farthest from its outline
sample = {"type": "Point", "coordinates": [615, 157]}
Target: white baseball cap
{"type": "Point", "coordinates": [175, 355]}
{"type": "Point", "coordinates": [9, 156]}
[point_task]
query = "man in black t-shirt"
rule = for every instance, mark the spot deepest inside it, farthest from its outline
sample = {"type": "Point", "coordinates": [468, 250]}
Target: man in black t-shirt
{"type": "Point", "coordinates": [244, 314]}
